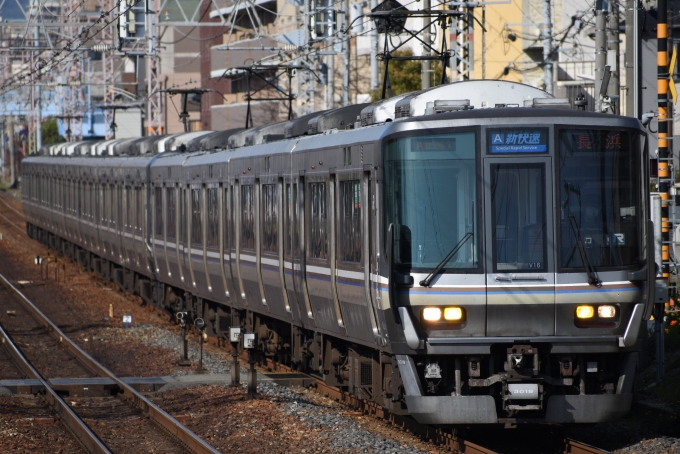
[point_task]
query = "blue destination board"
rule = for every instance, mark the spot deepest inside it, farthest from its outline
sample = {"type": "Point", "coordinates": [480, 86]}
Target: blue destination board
{"type": "Point", "coordinates": [518, 141]}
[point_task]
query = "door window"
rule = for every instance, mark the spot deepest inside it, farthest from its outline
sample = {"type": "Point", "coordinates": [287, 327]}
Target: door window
{"type": "Point", "coordinates": [519, 221]}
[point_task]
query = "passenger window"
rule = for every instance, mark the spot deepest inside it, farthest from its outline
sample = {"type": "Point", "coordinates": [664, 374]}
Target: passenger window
{"type": "Point", "coordinates": [213, 218]}
{"type": "Point", "coordinates": [270, 229]}
{"type": "Point", "coordinates": [318, 221]}
{"type": "Point", "coordinates": [350, 221]}
{"type": "Point", "coordinates": [247, 217]}
{"type": "Point", "coordinates": [171, 201]}
{"type": "Point", "coordinates": [196, 226]}
{"type": "Point", "coordinates": [158, 205]}
{"type": "Point", "coordinates": [519, 221]}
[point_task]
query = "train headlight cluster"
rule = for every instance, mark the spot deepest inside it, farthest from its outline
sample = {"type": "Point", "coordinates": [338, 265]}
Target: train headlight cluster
{"type": "Point", "coordinates": [586, 311]}
{"type": "Point", "coordinates": [596, 315]}
{"type": "Point", "coordinates": [450, 314]}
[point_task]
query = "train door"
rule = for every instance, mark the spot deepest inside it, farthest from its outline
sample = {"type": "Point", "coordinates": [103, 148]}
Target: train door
{"type": "Point", "coordinates": [299, 277]}
{"type": "Point", "coordinates": [195, 240]}
{"type": "Point", "coordinates": [225, 230]}
{"type": "Point", "coordinates": [126, 227]}
{"type": "Point", "coordinates": [353, 269]}
{"type": "Point", "coordinates": [228, 255]}
{"type": "Point", "coordinates": [270, 246]}
{"type": "Point", "coordinates": [118, 224]}
{"type": "Point", "coordinates": [288, 248]}
{"type": "Point", "coordinates": [319, 218]}
{"type": "Point", "coordinates": [183, 247]}
{"type": "Point", "coordinates": [520, 269]}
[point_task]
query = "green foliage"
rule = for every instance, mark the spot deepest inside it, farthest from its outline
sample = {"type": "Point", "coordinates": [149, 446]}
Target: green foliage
{"type": "Point", "coordinates": [405, 74]}
{"type": "Point", "coordinates": [50, 132]}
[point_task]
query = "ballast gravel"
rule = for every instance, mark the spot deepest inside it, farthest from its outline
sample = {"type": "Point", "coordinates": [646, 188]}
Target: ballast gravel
{"type": "Point", "coordinates": [661, 445]}
{"type": "Point", "coordinates": [155, 336]}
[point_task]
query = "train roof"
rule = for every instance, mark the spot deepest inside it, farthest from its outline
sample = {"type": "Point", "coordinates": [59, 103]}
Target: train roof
{"type": "Point", "coordinates": [467, 102]}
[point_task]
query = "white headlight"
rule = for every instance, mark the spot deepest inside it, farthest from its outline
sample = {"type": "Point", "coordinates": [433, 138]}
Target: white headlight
{"type": "Point", "coordinates": [432, 314]}
{"type": "Point", "coordinates": [606, 311]}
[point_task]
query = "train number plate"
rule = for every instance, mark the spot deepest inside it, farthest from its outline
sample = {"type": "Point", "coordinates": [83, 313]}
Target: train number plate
{"type": "Point", "coordinates": [523, 390]}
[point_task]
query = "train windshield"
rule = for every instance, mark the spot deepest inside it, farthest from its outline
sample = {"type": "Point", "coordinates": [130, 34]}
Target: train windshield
{"type": "Point", "coordinates": [599, 186]}
{"type": "Point", "coordinates": [430, 197]}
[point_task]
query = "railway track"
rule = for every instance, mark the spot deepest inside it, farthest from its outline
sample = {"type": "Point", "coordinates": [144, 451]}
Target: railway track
{"type": "Point", "coordinates": [15, 213]}
{"type": "Point", "coordinates": [443, 438]}
{"type": "Point", "coordinates": [105, 424]}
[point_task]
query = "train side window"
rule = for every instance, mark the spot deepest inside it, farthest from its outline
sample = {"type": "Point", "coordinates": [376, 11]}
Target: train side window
{"type": "Point", "coordinates": [196, 227]}
{"type": "Point", "coordinates": [158, 210]}
{"type": "Point", "coordinates": [270, 229]}
{"type": "Point", "coordinates": [247, 217]}
{"type": "Point", "coordinates": [318, 221]}
{"type": "Point", "coordinates": [171, 212]}
{"type": "Point", "coordinates": [350, 221]}
{"type": "Point", "coordinates": [213, 227]}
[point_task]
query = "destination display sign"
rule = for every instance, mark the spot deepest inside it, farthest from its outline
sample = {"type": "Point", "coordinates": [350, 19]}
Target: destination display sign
{"type": "Point", "coordinates": [433, 144]}
{"type": "Point", "coordinates": [518, 140]}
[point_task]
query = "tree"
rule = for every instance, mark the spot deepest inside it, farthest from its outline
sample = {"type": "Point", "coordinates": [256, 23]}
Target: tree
{"type": "Point", "coordinates": [405, 74]}
{"type": "Point", "coordinates": [50, 132]}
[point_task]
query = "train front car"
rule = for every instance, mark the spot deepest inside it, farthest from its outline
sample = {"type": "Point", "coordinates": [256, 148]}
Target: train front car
{"type": "Point", "coordinates": [518, 267]}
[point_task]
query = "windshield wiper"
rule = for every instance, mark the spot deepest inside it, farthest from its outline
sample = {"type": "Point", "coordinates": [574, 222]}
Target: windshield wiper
{"type": "Point", "coordinates": [426, 282]}
{"type": "Point", "coordinates": [593, 278]}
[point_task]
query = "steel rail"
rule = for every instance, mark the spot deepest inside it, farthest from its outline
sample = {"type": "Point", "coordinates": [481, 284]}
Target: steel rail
{"type": "Point", "coordinates": [2, 199]}
{"type": "Point", "coordinates": [77, 426]}
{"type": "Point", "coordinates": [192, 441]}
{"type": "Point", "coordinates": [12, 223]}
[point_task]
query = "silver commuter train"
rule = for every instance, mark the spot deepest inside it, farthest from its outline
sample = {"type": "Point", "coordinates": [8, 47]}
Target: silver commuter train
{"type": "Point", "coordinates": [464, 261]}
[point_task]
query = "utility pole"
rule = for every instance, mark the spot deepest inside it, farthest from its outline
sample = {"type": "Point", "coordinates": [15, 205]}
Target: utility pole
{"type": "Point", "coordinates": [426, 71]}
{"type": "Point", "coordinates": [346, 54]}
{"type": "Point", "coordinates": [330, 17]}
{"type": "Point", "coordinates": [154, 109]}
{"type": "Point", "coordinates": [614, 88]}
{"type": "Point", "coordinates": [38, 132]}
{"type": "Point", "coordinates": [546, 35]}
{"type": "Point", "coordinates": [374, 51]}
{"type": "Point", "coordinates": [600, 49]}
{"type": "Point", "coordinates": [633, 59]}
{"type": "Point", "coordinates": [483, 42]}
